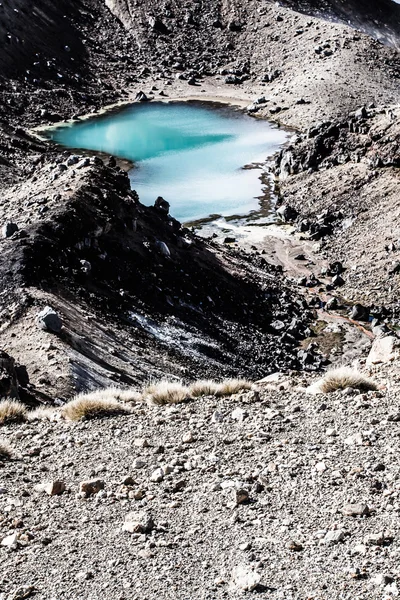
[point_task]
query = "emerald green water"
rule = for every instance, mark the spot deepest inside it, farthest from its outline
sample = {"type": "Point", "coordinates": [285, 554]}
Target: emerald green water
{"type": "Point", "coordinates": [192, 154]}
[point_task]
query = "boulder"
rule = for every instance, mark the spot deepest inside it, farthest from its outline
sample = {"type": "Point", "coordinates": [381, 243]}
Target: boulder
{"type": "Point", "coordinates": [49, 320]}
{"type": "Point", "coordinates": [384, 350]}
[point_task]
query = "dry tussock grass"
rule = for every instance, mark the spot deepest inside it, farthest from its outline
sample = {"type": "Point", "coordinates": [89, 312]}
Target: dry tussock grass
{"type": "Point", "coordinates": [12, 411]}
{"type": "Point", "coordinates": [112, 393]}
{"type": "Point", "coordinates": [203, 387]}
{"type": "Point", "coordinates": [86, 407]}
{"type": "Point", "coordinates": [5, 450]}
{"type": "Point", "coordinates": [342, 378]}
{"type": "Point", "coordinates": [43, 413]}
{"type": "Point", "coordinates": [166, 392]}
{"type": "Point", "coordinates": [232, 386]}
{"type": "Point", "coordinates": [113, 401]}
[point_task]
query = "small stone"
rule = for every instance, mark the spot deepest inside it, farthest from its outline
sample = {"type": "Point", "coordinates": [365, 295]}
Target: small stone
{"type": "Point", "coordinates": [217, 417]}
{"type": "Point", "coordinates": [52, 488]}
{"type": "Point", "coordinates": [241, 496]}
{"type": "Point", "coordinates": [188, 438]}
{"type": "Point", "coordinates": [89, 488]}
{"type": "Point", "coordinates": [294, 546]}
{"type": "Point", "coordinates": [139, 463]}
{"type": "Point", "coordinates": [11, 541]}
{"type": "Point", "coordinates": [157, 476]}
{"type": "Point", "coordinates": [320, 467]}
{"type": "Point", "coordinates": [245, 546]}
{"type": "Point", "coordinates": [167, 469]}
{"type": "Point", "coordinates": [138, 522]}
{"type": "Point", "coordinates": [331, 432]}
{"type": "Point", "coordinates": [376, 539]}
{"type": "Point", "coordinates": [333, 537]}
{"type": "Point", "coordinates": [354, 510]}
{"type": "Point", "coordinates": [356, 439]}
{"type": "Point", "coordinates": [141, 443]}
{"type": "Point", "coordinates": [128, 481]}
{"type": "Point", "coordinates": [138, 494]}
{"type": "Point", "coordinates": [245, 578]}
{"type": "Point", "coordinates": [239, 414]}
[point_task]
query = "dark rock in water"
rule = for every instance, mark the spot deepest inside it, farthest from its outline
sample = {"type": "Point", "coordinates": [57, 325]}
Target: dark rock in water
{"type": "Point", "coordinates": [112, 162]}
{"type": "Point", "coordinates": [287, 213]}
{"type": "Point", "coordinates": [49, 320]}
{"type": "Point", "coordinates": [229, 240]}
{"type": "Point", "coordinates": [162, 205]}
{"type": "Point", "coordinates": [359, 313]}
{"type": "Point", "coordinates": [9, 229]}
{"type": "Point", "coordinates": [141, 97]}
{"type": "Point", "coordinates": [299, 257]}
{"type": "Point", "coordinates": [191, 81]}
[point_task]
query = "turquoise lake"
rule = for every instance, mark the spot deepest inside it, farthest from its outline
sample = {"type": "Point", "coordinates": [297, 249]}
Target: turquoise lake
{"type": "Point", "coordinates": [191, 154]}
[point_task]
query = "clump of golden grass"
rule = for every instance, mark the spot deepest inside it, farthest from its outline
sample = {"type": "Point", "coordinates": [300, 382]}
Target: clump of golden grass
{"type": "Point", "coordinates": [166, 392]}
{"type": "Point", "coordinates": [342, 378]}
{"type": "Point", "coordinates": [12, 411]}
{"type": "Point", "coordinates": [112, 393]}
{"type": "Point", "coordinates": [43, 413]}
{"type": "Point", "coordinates": [228, 387]}
{"type": "Point", "coordinates": [87, 407]}
{"type": "Point", "coordinates": [203, 387]}
{"type": "Point", "coordinates": [5, 450]}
